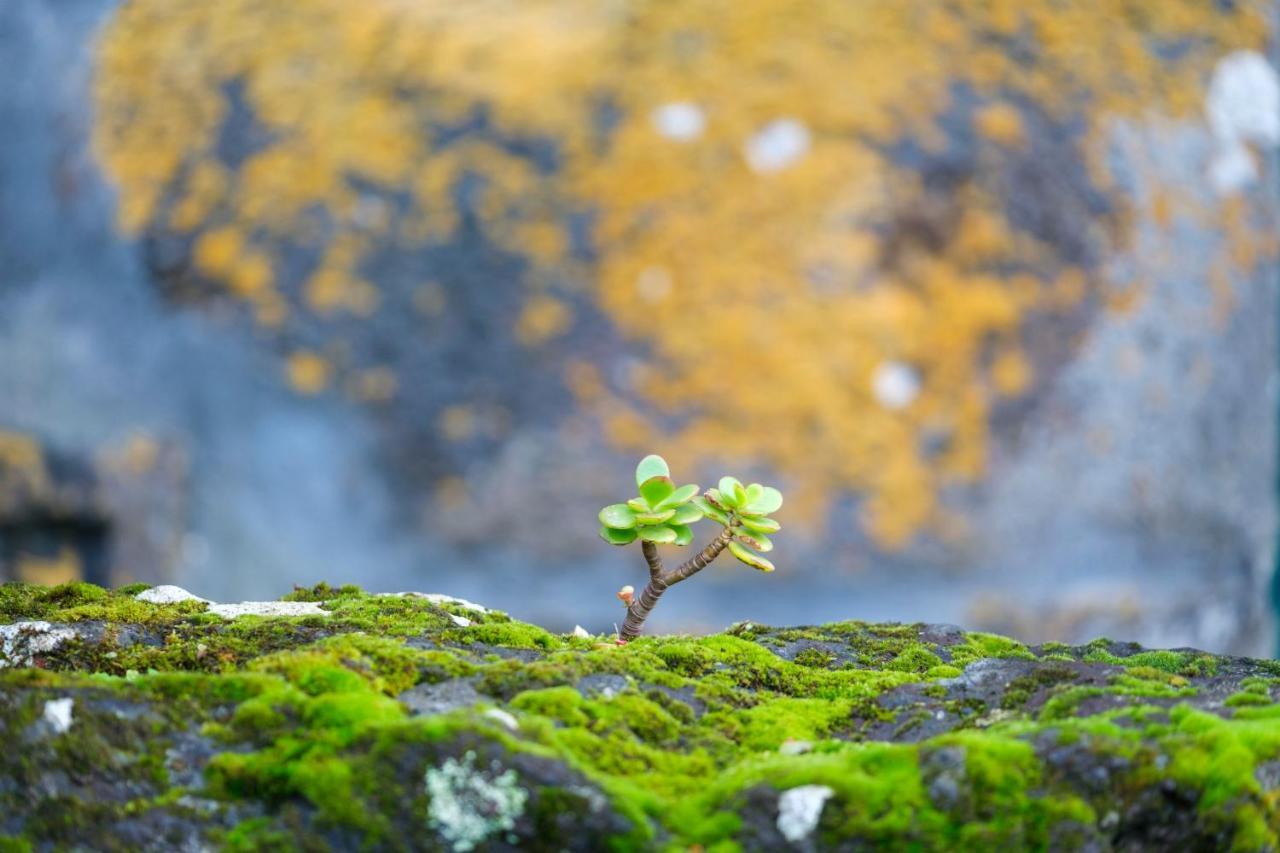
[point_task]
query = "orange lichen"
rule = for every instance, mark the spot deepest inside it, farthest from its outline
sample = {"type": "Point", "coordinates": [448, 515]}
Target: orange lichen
{"type": "Point", "coordinates": [543, 318]}
{"type": "Point", "coordinates": [308, 372]}
{"type": "Point", "coordinates": [778, 214]}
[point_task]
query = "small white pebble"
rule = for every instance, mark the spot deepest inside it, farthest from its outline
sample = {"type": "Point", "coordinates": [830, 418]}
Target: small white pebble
{"type": "Point", "coordinates": [57, 713]}
{"type": "Point", "coordinates": [580, 632]}
{"type": "Point", "coordinates": [795, 747]}
{"type": "Point", "coordinates": [460, 621]}
{"type": "Point", "coordinates": [503, 717]}
{"type": "Point", "coordinates": [682, 121]}
{"type": "Point", "coordinates": [167, 594]}
{"type": "Point", "coordinates": [776, 146]}
{"type": "Point", "coordinates": [799, 810]}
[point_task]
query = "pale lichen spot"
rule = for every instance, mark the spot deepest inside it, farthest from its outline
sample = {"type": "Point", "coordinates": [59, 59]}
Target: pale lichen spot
{"type": "Point", "coordinates": [895, 385]}
{"type": "Point", "coordinates": [777, 145]}
{"type": "Point", "coordinates": [682, 121]}
{"type": "Point", "coordinates": [799, 810]}
{"type": "Point", "coordinates": [1242, 107]}
{"type": "Point", "coordinates": [468, 805]}
{"type": "Point", "coordinates": [58, 714]}
{"type": "Point", "coordinates": [654, 284]}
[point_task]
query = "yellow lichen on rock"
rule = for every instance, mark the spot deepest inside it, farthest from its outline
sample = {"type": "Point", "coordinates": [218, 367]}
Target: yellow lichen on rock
{"type": "Point", "coordinates": [766, 227]}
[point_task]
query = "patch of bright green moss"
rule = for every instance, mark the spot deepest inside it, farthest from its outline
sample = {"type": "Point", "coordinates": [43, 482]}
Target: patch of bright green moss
{"type": "Point", "coordinates": [304, 713]}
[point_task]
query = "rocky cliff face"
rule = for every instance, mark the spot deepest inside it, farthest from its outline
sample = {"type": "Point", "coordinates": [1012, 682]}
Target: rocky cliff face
{"type": "Point", "coordinates": [147, 719]}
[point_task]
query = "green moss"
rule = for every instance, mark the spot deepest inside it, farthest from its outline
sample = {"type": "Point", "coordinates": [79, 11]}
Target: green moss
{"type": "Point", "coordinates": [304, 715]}
{"type": "Point", "coordinates": [514, 635]}
{"type": "Point", "coordinates": [978, 646]}
{"type": "Point", "coordinates": [1177, 663]}
{"type": "Point", "coordinates": [915, 658]}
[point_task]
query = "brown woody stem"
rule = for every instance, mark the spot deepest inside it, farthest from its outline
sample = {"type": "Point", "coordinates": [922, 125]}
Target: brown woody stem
{"type": "Point", "coordinates": [660, 581]}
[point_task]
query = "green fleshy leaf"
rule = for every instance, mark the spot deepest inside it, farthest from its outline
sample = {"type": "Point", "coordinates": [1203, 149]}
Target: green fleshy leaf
{"type": "Point", "coordinates": [710, 511]}
{"type": "Point", "coordinates": [769, 502]}
{"type": "Point", "coordinates": [751, 558]}
{"type": "Point", "coordinates": [618, 517]}
{"type": "Point", "coordinates": [729, 487]}
{"type": "Point", "coordinates": [639, 505]}
{"type": "Point", "coordinates": [760, 525]}
{"type": "Point", "coordinates": [651, 466]}
{"type": "Point", "coordinates": [687, 513]}
{"type": "Point", "coordinates": [754, 491]}
{"type": "Point", "coordinates": [753, 540]}
{"type": "Point", "coordinates": [656, 489]}
{"type": "Point", "coordinates": [684, 534]}
{"type": "Point", "coordinates": [660, 534]}
{"type": "Point", "coordinates": [617, 537]}
{"type": "Point", "coordinates": [714, 498]}
{"type": "Point", "coordinates": [682, 495]}
{"type": "Point", "coordinates": [656, 516]}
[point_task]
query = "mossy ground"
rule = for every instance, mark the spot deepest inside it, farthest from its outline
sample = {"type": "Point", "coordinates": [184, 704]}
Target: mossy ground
{"type": "Point", "coordinates": [290, 733]}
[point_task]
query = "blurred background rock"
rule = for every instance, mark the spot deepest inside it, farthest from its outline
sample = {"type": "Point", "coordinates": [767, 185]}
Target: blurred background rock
{"type": "Point", "coordinates": [396, 293]}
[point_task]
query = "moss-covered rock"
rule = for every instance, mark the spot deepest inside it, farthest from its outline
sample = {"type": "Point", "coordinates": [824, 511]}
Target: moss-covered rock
{"type": "Point", "coordinates": [422, 722]}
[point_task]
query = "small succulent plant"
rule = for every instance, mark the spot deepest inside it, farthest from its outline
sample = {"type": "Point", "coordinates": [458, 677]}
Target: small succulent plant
{"type": "Point", "coordinates": [663, 514]}
{"type": "Point", "coordinates": [660, 513]}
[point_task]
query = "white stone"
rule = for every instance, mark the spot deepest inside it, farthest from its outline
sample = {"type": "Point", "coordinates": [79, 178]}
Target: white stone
{"type": "Point", "coordinates": [580, 632]}
{"type": "Point", "coordinates": [268, 608]}
{"type": "Point", "coordinates": [500, 716]}
{"type": "Point", "coordinates": [795, 747]}
{"type": "Point", "coordinates": [777, 145]}
{"type": "Point", "coordinates": [799, 810]}
{"type": "Point", "coordinates": [460, 621]}
{"type": "Point", "coordinates": [57, 713]}
{"type": "Point", "coordinates": [682, 121]}
{"type": "Point", "coordinates": [895, 385]}
{"type": "Point", "coordinates": [20, 642]}
{"type": "Point", "coordinates": [167, 594]}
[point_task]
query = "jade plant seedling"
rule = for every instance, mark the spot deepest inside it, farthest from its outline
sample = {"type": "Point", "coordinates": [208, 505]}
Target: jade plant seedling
{"type": "Point", "coordinates": [663, 514]}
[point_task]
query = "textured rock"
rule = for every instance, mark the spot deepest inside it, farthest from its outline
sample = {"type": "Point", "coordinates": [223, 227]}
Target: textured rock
{"type": "Point", "coordinates": [387, 724]}
{"type": "Point", "coordinates": [257, 321]}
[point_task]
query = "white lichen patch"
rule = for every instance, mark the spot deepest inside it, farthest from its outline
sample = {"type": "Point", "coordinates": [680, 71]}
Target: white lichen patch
{"type": "Point", "coordinates": [799, 810]}
{"type": "Point", "coordinates": [460, 621]}
{"type": "Point", "coordinates": [167, 594]}
{"type": "Point", "coordinates": [22, 641]}
{"type": "Point", "coordinates": [57, 714]}
{"type": "Point", "coordinates": [470, 805]}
